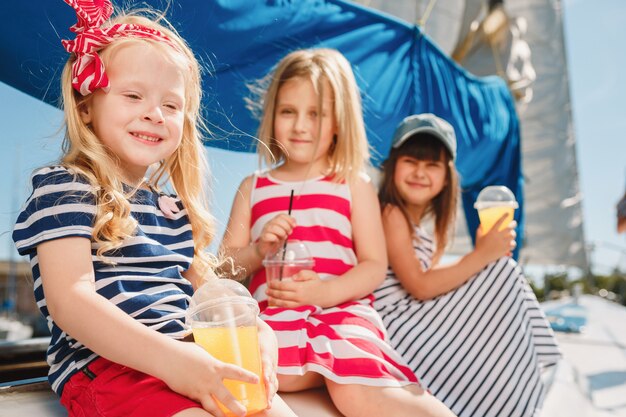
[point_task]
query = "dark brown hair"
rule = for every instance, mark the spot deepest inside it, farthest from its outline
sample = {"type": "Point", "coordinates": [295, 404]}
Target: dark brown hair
{"type": "Point", "coordinates": [424, 147]}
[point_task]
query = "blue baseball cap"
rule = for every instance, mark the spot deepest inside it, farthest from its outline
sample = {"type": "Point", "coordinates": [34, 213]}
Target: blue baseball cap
{"type": "Point", "coordinates": [425, 123]}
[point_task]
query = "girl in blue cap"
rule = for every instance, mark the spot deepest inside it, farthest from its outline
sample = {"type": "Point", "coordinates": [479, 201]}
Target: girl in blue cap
{"type": "Point", "coordinates": [472, 330]}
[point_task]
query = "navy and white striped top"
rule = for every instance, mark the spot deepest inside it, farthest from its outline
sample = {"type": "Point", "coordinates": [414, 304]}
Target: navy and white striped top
{"type": "Point", "coordinates": [146, 282]}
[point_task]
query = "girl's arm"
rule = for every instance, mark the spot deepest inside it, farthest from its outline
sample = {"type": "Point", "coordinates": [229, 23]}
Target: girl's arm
{"type": "Point", "coordinates": [358, 282]}
{"type": "Point", "coordinates": [108, 331]}
{"type": "Point", "coordinates": [246, 255]}
{"type": "Point", "coordinates": [195, 275]}
{"type": "Point", "coordinates": [369, 244]}
{"type": "Point", "coordinates": [438, 280]}
{"type": "Point", "coordinates": [236, 241]}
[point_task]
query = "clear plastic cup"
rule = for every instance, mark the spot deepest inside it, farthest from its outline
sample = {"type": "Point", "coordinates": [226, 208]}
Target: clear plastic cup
{"type": "Point", "coordinates": [288, 261]}
{"type": "Point", "coordinates": [492, 203]}
{"type": "Point", "coordinates": [222, 315]}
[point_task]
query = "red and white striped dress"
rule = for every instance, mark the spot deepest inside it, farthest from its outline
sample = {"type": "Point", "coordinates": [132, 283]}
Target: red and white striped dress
{"type": "Point", "coordinates": [346, 343]}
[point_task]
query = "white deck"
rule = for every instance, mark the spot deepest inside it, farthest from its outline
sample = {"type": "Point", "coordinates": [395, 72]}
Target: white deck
{"type": "Point", "coordinates": [589, 382]}
{"type": "Point", "coordinates": [44, 403]}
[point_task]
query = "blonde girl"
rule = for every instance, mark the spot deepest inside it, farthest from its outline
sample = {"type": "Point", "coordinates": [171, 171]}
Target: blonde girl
{"type": "Point", "coordinates": [312, 137]}
{"type": "Point", "coordinates": [114, 259]}
{"type": "Point", "coordinates": [472, 330]}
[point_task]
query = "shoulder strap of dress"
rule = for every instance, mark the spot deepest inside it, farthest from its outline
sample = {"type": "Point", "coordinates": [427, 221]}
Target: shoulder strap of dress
{"type": "Point", "coordinates": [256, 175]}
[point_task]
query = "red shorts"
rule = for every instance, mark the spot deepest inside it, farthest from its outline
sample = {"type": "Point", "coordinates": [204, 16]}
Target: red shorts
{"type": "Point", "coordinates": [106, 389]}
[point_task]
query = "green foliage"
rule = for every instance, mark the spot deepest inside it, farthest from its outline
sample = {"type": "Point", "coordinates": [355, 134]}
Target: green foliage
{"type": "Point", "coordinates": [612, 286]}
{"type": "Point", "coordinates": [539, 293]}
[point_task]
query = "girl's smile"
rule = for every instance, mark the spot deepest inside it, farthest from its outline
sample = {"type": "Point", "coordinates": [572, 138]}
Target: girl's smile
{"type": "Point", "coordinates": [146, 137]}
{"type": "Point", "coordinates": [416, 184]}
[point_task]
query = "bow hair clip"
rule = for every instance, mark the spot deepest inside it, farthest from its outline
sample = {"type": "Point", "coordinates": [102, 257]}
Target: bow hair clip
{"type": "Point", "coordinates": [88, 72]}
{"type": "Point", "coordinates": [90, 13]}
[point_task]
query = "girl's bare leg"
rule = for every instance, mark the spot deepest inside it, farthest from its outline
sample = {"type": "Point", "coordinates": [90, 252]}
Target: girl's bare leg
{"type": "Point", "coordinates": [363, 401]}
{"type": "Point", "coordinates": [294, 383]}
{"type": "Point", "coordinates": [192, 412]}
{"type": "Point", "coordinates": [279, 409]}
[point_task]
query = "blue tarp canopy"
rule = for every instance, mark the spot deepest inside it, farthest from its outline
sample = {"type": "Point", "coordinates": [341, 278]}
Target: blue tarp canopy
{"type": "Point", "coordinates": [399, 70]}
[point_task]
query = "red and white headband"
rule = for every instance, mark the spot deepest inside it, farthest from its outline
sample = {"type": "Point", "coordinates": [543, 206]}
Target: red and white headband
{"type": "Point", "coordinates": [88, 70]}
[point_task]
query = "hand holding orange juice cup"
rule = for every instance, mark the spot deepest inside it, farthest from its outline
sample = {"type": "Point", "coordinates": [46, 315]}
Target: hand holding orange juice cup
{"type": "Point", "coordinates": [492, 203]}
{"type": "Point", "coordinates": [222, 315]}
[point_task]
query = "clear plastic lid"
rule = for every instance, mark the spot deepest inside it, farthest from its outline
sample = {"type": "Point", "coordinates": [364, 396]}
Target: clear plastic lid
{"type": "Point", "coordinates": [294, 252]}
{"type": "Point", "coordinates": [219, 302]}
{"type": "Point", "coordinates": [495, 196]}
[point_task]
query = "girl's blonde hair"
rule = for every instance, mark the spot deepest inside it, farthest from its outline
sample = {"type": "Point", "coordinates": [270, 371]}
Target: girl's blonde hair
{"type": "Point", "coordinates": [186, 169]}
{"type": "Point", "coordinates": [443, 206]}
{"type": "Point", "coordinates": [349, 153]}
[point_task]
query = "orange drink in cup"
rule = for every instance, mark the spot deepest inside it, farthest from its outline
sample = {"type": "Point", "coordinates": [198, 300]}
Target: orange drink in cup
{"type": "Point", "coordinates": [239, 346]}
{"type": "Point", "coordinates": [492, 203]}
{"type": "Point", "coordinates": [222, 316]}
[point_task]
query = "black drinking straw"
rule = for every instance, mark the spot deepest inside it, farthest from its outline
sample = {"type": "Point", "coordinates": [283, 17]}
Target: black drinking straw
{"type": "Point", "coordinates": [280, 274]}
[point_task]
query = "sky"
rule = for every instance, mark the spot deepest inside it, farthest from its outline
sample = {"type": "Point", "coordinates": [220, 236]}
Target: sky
{"type": "Point", "coordinates": [594, 35]}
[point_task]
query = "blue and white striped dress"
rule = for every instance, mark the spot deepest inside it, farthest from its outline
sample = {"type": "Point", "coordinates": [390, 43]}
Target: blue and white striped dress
{"type": "Point", "coordinates": [146, 281]}
{"type": "Point", "coordinates": [479, 349]}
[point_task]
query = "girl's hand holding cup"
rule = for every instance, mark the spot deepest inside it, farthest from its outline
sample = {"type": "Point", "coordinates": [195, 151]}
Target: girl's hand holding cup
{"type": "Point", "coordinates": [274, 233]}
{"type": "Point", "coordinates": [303, 288]}
{"type": "Point", "coordinates": [496, 235]}
{"type": "Point", "coordinates": [497, 242]}
{"type": "Point", "coordinates": [223, 317]}
{"type": "Point", "coordinates": [291, 282]}
{"type": "Point", "coordinates": [199, 376]}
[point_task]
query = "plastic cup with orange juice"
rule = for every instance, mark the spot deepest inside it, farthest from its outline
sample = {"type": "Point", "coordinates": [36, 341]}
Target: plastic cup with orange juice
{"type": "Point", "coordinates": [222, 316]}
{"type": "Point", "coordinates": [492, 203]}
